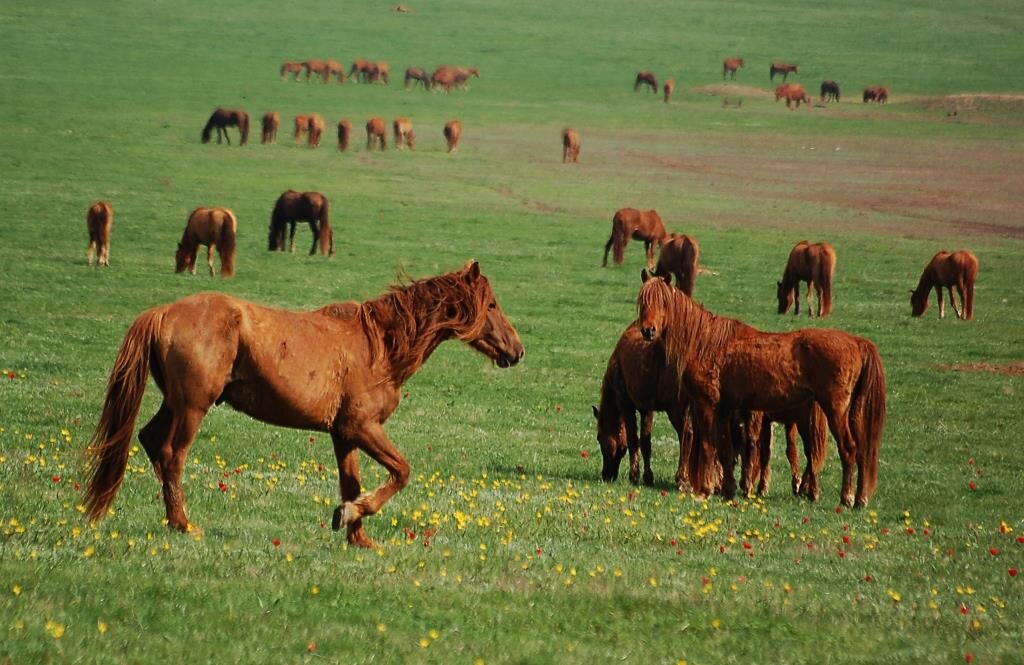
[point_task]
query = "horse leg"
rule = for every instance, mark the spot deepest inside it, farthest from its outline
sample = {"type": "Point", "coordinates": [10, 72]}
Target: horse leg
{"type": "Point", "coordinates": [703, 458]}
{"type": "Point", "coordinates": [209, 258]}
{"type": "Point", "coordinates": [685, 433]}
{"type": "Point", "coordinates": [646, 425]}
{"type": "Point", "coordinates": [942, 306]}
{"type": "Point", "coordinates": [291, 238]}
{"type": "Point", "coordinates": [814, 439]}
{"type": "Point", "coordinates": [92, 251]}
{"type": "Point", "coordinates": [371, 439]}
{"type": "Point", "coordinates": [810, 298]}
{"type": "Point", "coordinates": [726, 455]}
{"type": "Point", "coordinates": [607, 248]}
{"type": "Point", "coordinates": [155, 437]}
{"type": "Point", "coordinates": [764, 448]}
{"type": "Point", "coordinates": [169, 435]}
{"type": "Point", "coordinates": [347, 456]}
{"type": "Point", "coordinates": [632, 444]}
{"type": "Point", "coordinates": [960, 292]}
{"type": "Point", "coordinates": [104, 259]}
{"type": "Point", "coordinates": [316, 237]}
{"type": "Point", "coordinates": [838, 424]}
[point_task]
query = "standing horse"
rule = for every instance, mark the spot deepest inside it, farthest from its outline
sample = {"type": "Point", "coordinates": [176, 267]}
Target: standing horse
{"type": "Point", "coordinates": [344, 132]}
{"type": "Point", "coordinates": [679, 256]}
{"type": "Point", "coordinates": [811, 263]}
{"type": "Point", "coordinates": [376, 133]}
{"type": "Point", "coordinates": [670, 86]}
{"type": "Point", "coordinates": [829, 91]}
{"type": "Point", "coordinates": [812, 425]}
{"type": "Point", "coordinates": [792, 92]}
{"type": "Point", "coordinates": [334, 68]}
{"type": "Point", "coordinates": [213, 227]}
{"type": "Point", "coordinates": [223, 118]}
{"type": "Point", "coordinates": [271, 121]}
{"type": "Point", "coordinates": [316, 130]}
{"type": "Point", "coordinates": [414, 75]}
{"type": "Point", "coordinates": [444, 78]}
{"type": "Point", "coordinates": [452, 134]}
{"type": "Point", "coordinates": [876, 93]}
{"type": "Point", "coordinates": [98, 221]}
{"type": "Point", "coordinates": [947, 269]}
{"type": "Point", "coordinates": [339, 369]}
{"type": "Point", "coordinates": [726, 365]}
{"type": "Point", "coordinates": [404, 136]}
{"type": "Point", "coordinates": [301, 126]}
{"type": "Point", "coordinates": [645, 78]}
{"type": "Point", "coordinates": [318, 67]}
{"type": "Point", "coordinates": [359, 70]}
{"type": "Point", "coordinates": [379, 72]}
{"type": "Point", "coordinates": [462, 76]}
{"type": "Point", "coordinates": [638, 225]}
{"type": "Point", "coordinates": [293, 207]}
{"type": "Point", "coordinates": [570, 146]}
{"type": "Point", "coordinates": [781, 68]}
{"type": "Point", "coordinates": [292, 67]}
{"type": "Point", "coordinates": [729, 66]}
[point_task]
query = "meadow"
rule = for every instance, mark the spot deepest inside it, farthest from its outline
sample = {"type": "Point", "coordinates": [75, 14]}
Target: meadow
{"type": "Point", "coordinates": [505, 546]}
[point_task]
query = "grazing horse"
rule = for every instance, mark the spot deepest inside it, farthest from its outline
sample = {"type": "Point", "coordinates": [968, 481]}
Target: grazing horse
{"type": "Point", "coordinates": [98, 221]}
{"type": "Point", "coordinates": [444, 78]}
{"type": "Point", "coordinates": [645, 78]}
{"type": "Point", "coordinates": [463, 74]}
{"type": "Point", "coordinates": [318, 67]}
{"type": "Point", "coordinates": [782, 68]}
{"type": "Point", "coordinates": [376, 132]}
{"type": "Point", "coordinates": [338, 369]}
{"type": "Point", "coordinates": [223, 118]}
{"type": "Point", "coordinates": [452, 134]}
{"type": "Point", "coordinates": [316, 130]}
{"type": "Point", "coordinates": [670, 87]}
{"type": "Point", "coordinates": [301, 126]}
{"type": "Point", "coordinates": [570, 146]}
{"type": "Point", "coordinates": [638, 225]}
{"type": "Point", "coordinates": [292, 67]}
{"type": "Point", "coordinates": [360, 70]}
{"type": "Point", "coordinates": [876, 93]}
{"type": "Point", "coordinates": [792, 92]}
{"type": "Point", "coordinates": [415, 75]}
{"type": "Point", "coordinates": [335, 69]}
{"type": "Point", "coordinates": [947, 269]}
{"type": "Point", "coordinates": [729, 66]}
{"type": "Point", "coordinates": [344, 132]}
{"type": "Point", "coordinates": [679, 256]}
{"type": "Point", "coordinates": [404, 136]}
{"type": "Point", "coordinates": [293, 207]}
{"type": "Point", "coordinates": [379, 72]}
{"type": "Point", "coordinates": [726, 365]}
{"type": "Point", "coordinates": [213, 227]}
{"type": "Point", "coordinates": [811, 263]}
{"type": "Point", "coordinates": [829, 91]}
{"type": "Point", "coordinates": [271, 121]}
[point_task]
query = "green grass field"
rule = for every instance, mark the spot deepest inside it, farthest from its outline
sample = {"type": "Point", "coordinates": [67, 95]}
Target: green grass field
{"type": "Point", "coordinates": [506, 547]}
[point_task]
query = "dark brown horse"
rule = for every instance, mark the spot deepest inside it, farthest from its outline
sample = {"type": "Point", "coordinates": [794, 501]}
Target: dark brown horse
{"type": "Point", "coordinates": [98, 221]}
{"type": "Point", "coordinates": [452, 134]}
{"type": "Point", "coordinates": [223, 118]}
{"type": "Point", "coordinates": [344, 133]}
{"type": "Point", "coordinates": [792, 92]}
{"type": "Point", "coordinates": [876, 93]}
{"type": "Point", "coordinates": [812, 263]}
{"type": "Point", "coordinates": [829, 91]}
{"type": "Point", "coordinates": [645, 78]}
{"type": "Point", "coordinates": [414, 75]}
{"type": "Point", "coordinates": [215, 228]}
{"type": "Point", "coordinates": [316, 130]}
{"type": "Point", "coordinates": [376, 133]}
{"type": "Point", "coordinates": [292, 67]}
{"type": "Point", "coordinates": [729, 66]}
{"type": "Point", "coordinates": [570, 146]}
{"type": "Point", "coordinates": [293, 207]}
{"type": "Point", "coordinates": [679, 256]}
{"type": "Point", "coordinates": [726, 366]}
{"type": "Point", "coordinates": [670, 87]}
{"type": "Point", "coordinates": [781, 68]}
{"type": "Point", "coordinates": [339, 369]}
{"type": "Point", "coordinates": [636, 224]}
{"type": "Point", "coordinates": [947, 269]}
{"type": "Point", "coordinates": [271, 121]}
{"type": "Point", "coordinates": [405, 137]}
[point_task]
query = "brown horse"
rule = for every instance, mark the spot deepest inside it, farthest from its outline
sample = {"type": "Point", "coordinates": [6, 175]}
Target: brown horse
{"type": "Point", "coordinates": [443, 78]}
{"type": "Point", "coordinates": [223, 118]}
{"type": "Point", "coordinates": [271, 121]}
{"type": "Point", "coordinates": [318, 67]}
{"type": "Point", "coordinates": [726, 365]}
{"type": "Point", "coordinates": [292, 67]}
{"type": "Point", "coordinates": [729, 66]}
{"type": "Point", "coordinates": [293, 207]}
{"type": "Point", "coordinates": [404, 136]}
{"type": "Point", "coordinates": [360, 70]}
{"type": "Point", "coordinates": [876, 93]}
{"type": "Point", "coordinates": [812, 263]}
{"type": "Point", "coordinates": [316, 130]}
{"type": "Point", "coordinates": [339, 369]}
{"type": "Point", "coordinates": [344, 132]}
{"type": "Point", "coordinates": [570, 146]}
{"type": "Point", "coordinates": [638, 225]}
{"type": "Point", "coordinates": [334, 68]}
{"type": "Point", "coordinates": [376, 133]}
{"type": "Point", "coordinates": [947, 269]}
{"type": "Point", "coordinates": [301, 126]}
{"type": "Point", "coordinates": [792, 92]}
{"type": "Point", "coordinates": [829, 91]}
{"type": "Point", "coordinates": [679, 256]}
{"type": "Point", "coordinates": [452, 134]}
{"type": "Point", "coordinates": [782, 68]}
{"type": "Point", "coordinates": [414, 75]}
{"type": "Point", "coordinates": [379, 72]}
{"type": "Point", "coordinates": [645, 78]}
{"type": "Point", "coordinates": [213, 227]}
{"type": "Point", "coordinates": [98, 221]}
{"type": "Point", "coordinates": [812, 425]}
{"type": "Point", "coordinates": [670, 87]}
{"type": "Point", "coordinates": [463, 74]}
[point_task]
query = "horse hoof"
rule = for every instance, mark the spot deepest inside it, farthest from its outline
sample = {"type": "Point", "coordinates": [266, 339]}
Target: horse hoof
{"type": "Point", "coordinates": [336, 519]}
{"type": "Point", "coordinates": [649, 478]}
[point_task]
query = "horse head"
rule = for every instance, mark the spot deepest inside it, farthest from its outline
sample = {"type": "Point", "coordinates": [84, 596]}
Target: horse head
{"type": "Point", "coordinates": [785, 296]}
{"type": "Point", "coordinates": [181, 258]}
{"type": "Point", "coordinates": [495, 336]}
{"type": "Point", "coordinates": [918, 302]}
{"type": "Point", "coordinates": [652, 304]}
{"type": "Point", "coordinates": [612, 440]}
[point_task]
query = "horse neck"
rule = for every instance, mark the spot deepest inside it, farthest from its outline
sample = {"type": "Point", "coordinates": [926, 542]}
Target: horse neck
{"type": "Point", "coordinates": [609, 414]}
{"type": "Point", "coordinates": [697, 336]}
{"type": "Point", "coordinates": [927, 281]}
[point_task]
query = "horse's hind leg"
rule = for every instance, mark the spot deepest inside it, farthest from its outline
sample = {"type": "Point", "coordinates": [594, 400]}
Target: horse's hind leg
{"type": "Point", "coordinates": [838, 424]}
{"type": "Point", "coordinates": [92, 252]}
{"type": "Point", "coordinates": [104, 259]}
{"type": "Point", "coordinates": [316, 237]}
{"type": "Point", "coordinates": [347, 456]}
{"type": "Point", "coordinates": [209, 258]}
{"type": "Point", "coordinates": [942, 303]}
{"type": "Point", "coordinates": [607, 248]}
{"type": "Point", "coordinates": [166, 439]}
{"type": "Point", "coordinates": [960, 292]}
{"type": "Point", "coordinates": [646, 425]}
{"type": "Point", "coordinates": [291, 238]}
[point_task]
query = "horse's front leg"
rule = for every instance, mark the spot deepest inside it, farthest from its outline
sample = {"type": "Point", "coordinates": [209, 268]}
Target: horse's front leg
{"type": "Point", "coordinates": [632, 444]}
{"type": "Point", "coordinates": [316, 237]}
{"type": "Point", "coordinates": [810, 299]}
{"type": "Point", "coordinates": [209, 258]}
{"type": "Point", "coordinates": [646, 425]}
{"type": "Point", "coordinates": [370, 438]}
{"type": "Point", "coordinates": [291, 238]}
{"type": "Point", "coordinates": [703, 460]}
{"type": "Point", "coordinates": [960, 292]}
{"type": "Point", "coordinates": [347, 456]}
{"type": "Point", "coordinates": [942, 303]}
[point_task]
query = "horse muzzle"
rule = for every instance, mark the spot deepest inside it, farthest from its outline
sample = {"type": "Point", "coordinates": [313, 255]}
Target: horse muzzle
{"type": "Point", "coordinates": [649, 333]}
{"type": "Point", "coordinates": [509, 359]}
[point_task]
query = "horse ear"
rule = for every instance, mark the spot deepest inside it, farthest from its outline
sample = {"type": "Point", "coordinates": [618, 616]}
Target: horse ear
{"type": "Point", "coordinates": [778, 284]}
{"type": "Point", "coordinates": [667, 277]}
{"type": "Point", "coordinates": [472, 270]}
{"type": "Point", "coordinates": [644, 275]}
{"type": "Point", "coordinates": [597, 414]}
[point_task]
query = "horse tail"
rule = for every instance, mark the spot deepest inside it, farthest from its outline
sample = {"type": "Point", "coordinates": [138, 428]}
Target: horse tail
{"type": "Point", "coordinates": [867, 416]}
{"type": "Point", "coordinates": [969, 278]}
{"type": "Point", "coordinates": [828, 270]}
{"type": "Point", "coordinates": [208, 129]}
{"type": "Point", "coordinates": [243, 126]}
{"type": "Point", "coordinates": [619, 240]}
{"type": "Point", "coordinates": [109, 446]}
{"type": "Point", "coordinates": [226, 244]}
{"type": "Point", "coordinates": [326, 233]}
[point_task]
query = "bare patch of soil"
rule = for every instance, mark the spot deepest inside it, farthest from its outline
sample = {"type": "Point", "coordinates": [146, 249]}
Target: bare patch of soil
{"type": "Point", "coordinates": [733, 90]}
{"type": "Point", "coordinates": [1010, 369]}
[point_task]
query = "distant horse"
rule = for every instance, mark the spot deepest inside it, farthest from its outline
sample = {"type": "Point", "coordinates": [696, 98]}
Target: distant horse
{"type": "Point", "coordinates": [452, 134]}
{"type": "Point", "coordinates": [316, 130]}
{"type": "Point", "coordinates": [301, 126]}
{"type": "Point", "coordinates": [792, 92]}
{"type": "Point", "coordinates": [404, 136]}
{"type": "Point", "coordinates": [360, 70]}
{"type": "Point", "coordinates": [645, 78]}
{"type": "Point", "coordinates": [727, 365]}
{"type": "Point", "coordinates": [271, 121]}
{"type": "Point", "coordinates": [98, 221]}
{"type": "Point", "coordinates": [318, 67]}
{"type": "Point", "coordinates": [679, 256]}
{"type": "Point", "coordinates": [414, 75]}
{"type": "Point", "coordinates": [729, 66]}
{"type": "Point", "coordinates": [947, 269]}
{"type": "Point", "coordinates": [223, 118]}
{"type": "Point", "coordinates": [335, 69]}
{"type": "Point", "coordinates": [291, 67]}
{"type": "Point", "coordinates": [876, 93]}
{"type": "Point", "coordinates": [443, 78]}
{"type": "Point", "coordinates": [213, 227]}
{"type": "Point", "coordinates": [570, 146]}
{"type": "Point", "coordinates": [339, 370]}
{"type": "Point", "coordinates": [812, 263]}
{"type": "Point", "coordinates": [463, 74]}
{"type": "Point", "coordinates": [781, 68]}
{"type": "Point", "coordinates": [376, 133]}
{"type": "Point", "coordinates": [670, 86]}
{"type": "Point", "coordinates": [829, 91]}
{"type": "Point", "coordinates": [293, 207]}
{"type": "Point", "coordinates": [379, 72]}
{"type": "Point", "coordinates": [344, 132]}
{"type": "Point", "coordinates": [638, 225]}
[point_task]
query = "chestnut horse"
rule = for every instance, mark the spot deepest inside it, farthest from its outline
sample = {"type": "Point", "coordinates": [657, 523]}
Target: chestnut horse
{"type": "Point", "coordinates": [947, 269]}
{"type": "Point", "coordinates": [792, 92]}
{"type": "Point", "coordinates": [404, 136]}
{"type": "Point", "coordinates": [376, 132]}
{"type": "Point", "coordinates": [452, 134]}
{"type": "Point", "coordinates": [645, 78]}
{"type": "Point", "coordinates": [359, 70]}
{"type": "Point", "coordinates": [670, 87]}
{"type": "Point", "coordinates": [570, 146]}
{"type": "Point", "coordinates": [811, 263]}
{"type": "Point", "coordinates": [344, 132]}
{"type": "Point", "coordinates": [213, 227]}
{"type": "Point", "coordinates": [338, 369]}
{"type": "Point", "coordinates": [301, 126]}
{"type": "Point", "coordinates": [782, 68]}
{"type": "Point", "coordinates": [414, 75]}
{"type": "Point", "coordinates": [679, 256]}
{"type": "Point", "coordinates": [444, 78]}
{"type": "Point", "coordinates": [318, 67]}
{"type": "Point", "coordinates": [726, 365]}
{"type": "Point", "coordinates": [379, 72]}
{"type": "Point", "coordinates": [98, 221]}
{"type": "Point", "coordinates": [271, 121]}
{"type": "Point", "coordinates": [293, 207]}
{"type": "Point", "coordinates": [291, 67]}
{"type": "Point", "coordinates": [876, 93]}
{"type": "Point", "coordinates": [729, 66]}
{"type": "Point", "coordinates": [316, 130]}
{"type": "Point", "coordinates": [223, 118]}
{"type": "Point", "coordinates": [334, 68]}
{"type": "Point", "coordinates": [638, 225]}
{"type": "Point", "coordinates": [829, 91]}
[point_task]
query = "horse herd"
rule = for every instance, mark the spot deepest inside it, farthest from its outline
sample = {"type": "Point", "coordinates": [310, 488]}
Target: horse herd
{"type": "Point", "coordinates": [445, 77]}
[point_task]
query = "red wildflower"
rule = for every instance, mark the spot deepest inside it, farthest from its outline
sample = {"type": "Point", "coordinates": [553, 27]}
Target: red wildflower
{"type": "Point", "coordinates": [1020, 539]}
{"type": "Point", "coordinates": [806, 519]}
{"type": "Point", "coordinates": [972, 485]}
{"type": "Point", "coordinates": [222, 486]}
{"type": "Point", "coordinates": [846, 540]}
{"type": "Point", "coordinates": [584, 454]}
{"type": "Point", "coordinates": [868, 578]}
{"type": "Point", "coordinates": [276, 542]}
{"type": "Point", "coordinates": [55, 479]}
{"type": "Point", "coordinates": [994, 551]}
{"type": "Point", "coordinates": [839, 510]}
{"type": "Point", "coordinates": [963, 609]}
{"type": "Point", "coordinates": [747, 545]}
{"type": "Point", "coordinates": [969, 657]}
{"type": "Point", "coordinates": [1012, 572]}
{"type": "Point", "coordinates": [841, 554]}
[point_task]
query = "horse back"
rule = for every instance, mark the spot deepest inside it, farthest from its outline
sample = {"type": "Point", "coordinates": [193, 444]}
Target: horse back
{"type": "Point", "coordinates": [99, 218]}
